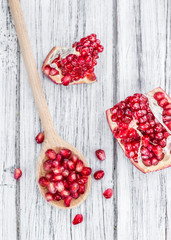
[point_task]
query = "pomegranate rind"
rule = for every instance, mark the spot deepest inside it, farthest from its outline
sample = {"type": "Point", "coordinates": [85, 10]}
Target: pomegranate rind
{"type": "Point", "coordinates": [57, 78]}
{"type": "Point", "coordinates": [165, 162]}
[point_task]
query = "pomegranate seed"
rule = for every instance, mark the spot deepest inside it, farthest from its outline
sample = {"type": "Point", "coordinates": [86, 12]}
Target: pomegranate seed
{"type": "Point", "coordinates": [46, 70]}
{"type": "Point", "coordinates": [51, 154]}
{"type": "Point", "coordinates": [86, 171]}
{"type": "Point", "coordinates": [43, 181]}
{"type": "Point", "coordinates": [40, 138]}
{"type": "Point", "coordinates": [108, 193]}
{"type": "Point", "coordinates": [58, 157]}
{"type": "Point", "coordinates": [74, 159]}
{"type": "Point", "coordinates": [147, 162]}
{"type": "Point", "coordinates": [163, 102]}
{"type": "Point", "coordinates": [65, 173]}
{"type": "Point", "coordinates": [65, 193]}
{"type": "Point", "coordinates": [48, 164]}
{"type": "Point", "coordinates": [59, 186]}
{"type": "Point", "coordinates": [66, 80]}
{"type": "Point", "coordinates": [74, 187]}
{"type": "Point", "coordinates": [81, 189]}
{"type": "Point", "coordinates": [82, 180]}
{"type": "Point", "coordinates": [17, 173]}
{"type": "Point", "coordinates": [67, 201]}
{"type": "Point", "coordinates": [55, 163]}
{"type": "Point", "coordinates": [66, 153]}
{"type": "Point", "coordinates": [66, 185]}
{"type": "Point", "coordinates": [57, 197]}
{"type": "Point", "coordinates": [49, 197]}
{"type": "Point", "coordinates": [72, 177]}
{"type": "Point", "coordinates": [52, 187]}
{"type": "Point", "coordinates": [53, 72]}
{"type": "Point", "coordinates": [79, 166]}
{"type": "Point", "coordinates": [99, 174]}
{"type": "Point", "coordinates": [167, 112]}
{"type": "Point", "coordinates": [154, 161]}
{"type": "Point", "coordinates": [168, 106]}
{"type": "Point", "coordinates": [158, 96]}
{"type": "Point", "coordinates": [49, 175]}
{"type": "Point", "coordinates": [168, 124]}
{"type": "Point", "coordinates": [100, 154]}
{"type": "Point", "coordinates": [78, 219]}
{"type": "Point", "coordinates": [71, 165]}
{"type": "Point", "coordinates": [56, 178]}
{"type": "Point", "coordinates": [58, 170]}
{"type": "Point", "coordinates": [75, 195]}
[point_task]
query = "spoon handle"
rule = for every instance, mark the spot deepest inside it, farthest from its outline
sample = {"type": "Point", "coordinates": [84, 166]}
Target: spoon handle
{"type": "Point", "coordinates": [31, 66]}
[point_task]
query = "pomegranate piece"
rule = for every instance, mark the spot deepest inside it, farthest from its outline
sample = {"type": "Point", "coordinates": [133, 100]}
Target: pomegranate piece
{"type": "Point", "coordinates": [67, 201]}
{"type": "Point", "coordinates": [73, 65]}
{"type": "Point", "coordinates": [99, 174]}
{"type": "Point", "coordinates": [66, 153]}
{"type": "Point", "coordinates": [78, 219]}
{"type": "Point", "coordinates": [142, 126]}
{"type": "Point", "coordinates": [108, 193]}
{"type": "Point", "coordinates": [49, 197]}
{"type": "Point", "coordinates": [17, 173]}
{"type": "Point", "coordinates": [100, 154]}
{"type": "Point", "coordinates": [43, 181]}
{"type": "Point", "coordinates": [40, 137]}
{"type": "Point", "coordinates": [51, 154]}
{"type": "Point", "coordinates": [86, 171]}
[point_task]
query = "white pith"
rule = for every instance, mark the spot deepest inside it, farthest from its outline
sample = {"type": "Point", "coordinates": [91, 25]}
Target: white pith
{"type": "Point", "coordinates": [157, 111]}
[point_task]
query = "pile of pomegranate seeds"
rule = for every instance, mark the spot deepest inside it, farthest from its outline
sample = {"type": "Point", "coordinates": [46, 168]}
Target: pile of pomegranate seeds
{"type": "Point", "coordinates": [78, 219]}
{"type": "Point", "coordinates": [142, 124]}
{"type": "Point", "coordinates": [66, 176]}
{"type": "Point", "coordinates": [40, 137]}
{"type": "Point", "coordinates": [75, 65]}
{"type": "Point", "coordinates": [17, 173]}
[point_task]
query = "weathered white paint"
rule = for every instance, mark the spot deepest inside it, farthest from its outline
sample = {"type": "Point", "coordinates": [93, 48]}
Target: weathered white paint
{"type": "Point", "coordinates": [136, 36]}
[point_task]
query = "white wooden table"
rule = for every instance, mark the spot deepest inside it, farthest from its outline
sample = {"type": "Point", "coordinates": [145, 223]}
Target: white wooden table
{"type": "Point", "coordinates": [137, 58]}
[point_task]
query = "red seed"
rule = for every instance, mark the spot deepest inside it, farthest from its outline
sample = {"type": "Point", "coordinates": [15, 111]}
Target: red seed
{"type": "Point", "coordinates": [71, 165]}
{"type": "Point", "coordinates": [58, 157]}
{"type": "Point", "coordinates": [46, 70]}
{"type": "Point", "coordinates": [52, 187]}
{"type": "Point", "coordinates": [51, 154]}
{"type": "Point", "coordinates": [108, 193]}
{"type": "Point", "coordinates": [40, 137]}
{"type": "Point", "coordinates": [81, 189]}
{"type": "Point", "coordinates": [154, 161]}
{"type": "Point", "coordinates": [49, 197]}
{"type": "Point", "coordinates": [55, 163]}
{"type": "Point", "coordinates": [56, 178]}
{"type": "Point", "coordinates": [49, 175]}
{"type": "Point", "coordinates": [79, 166]}
{"type": "Point", "coordinates": [72, 177]}
{"type": "Point", "coordinates": [67, 201]}
{"type": "Point", "coordinates": [48, 165]}
{"type": "Point", "coordinates": [74, 159]}
{"type": "Point", "coordinates": [43, 181]}
{"type": "Point", "coordinates": [59, 186]}
{"type": "Point", "coordinates": [58, 170]}
{"type": "Point", "coordinates": [163, 102]}
{"type": "Point", "coordinates": [66, 153]}
{"type": "Point", "coordinates": [78, 219]}
{"type": "Point", "coordinates": [158, 96]}
{"type": "Point", "coordinates": [100, 154]}
{"type": "Point", "coordinates": [75, 195]}
{"type": "Point", "coordinates": [57, 197]}
{"type": "Point", "coordinates": [99, 174]}
{"type": "Point", "coordinates": [65, 193]}
{"type": "Point", "coordinates": [65, 173]}
{"type": "Point", "coordinates": [53, 72]}
{"type": "Point", "coordinates": [17, 173]}
{"type": "Point", "coordinates": [66, 80]}
{"type": "Point", "coordinates": [86, 171]}
{"type": "Point", "coordinates": [147, 162]}
{"type": "Point", "coordinates": [74, 187]}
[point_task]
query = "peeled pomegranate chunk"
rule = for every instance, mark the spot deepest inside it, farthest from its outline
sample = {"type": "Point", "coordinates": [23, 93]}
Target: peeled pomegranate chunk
{"type": "Point", "coordinates": [142, 126]}
{"type": "Point", "coordinates": [73, 65]}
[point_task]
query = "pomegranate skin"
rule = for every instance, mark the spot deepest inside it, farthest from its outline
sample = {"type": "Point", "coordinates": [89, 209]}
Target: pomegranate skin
{"type": "Point", "coordinates": [137, 108]}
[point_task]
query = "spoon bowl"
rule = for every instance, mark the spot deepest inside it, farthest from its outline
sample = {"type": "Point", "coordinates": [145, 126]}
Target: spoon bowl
{"type": "Point", "coordinates": [52, 140]}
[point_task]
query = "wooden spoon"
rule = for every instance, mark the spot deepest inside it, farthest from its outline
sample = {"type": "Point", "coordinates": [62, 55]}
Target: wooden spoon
{"type": "Point", "coordinates": [52, 140]}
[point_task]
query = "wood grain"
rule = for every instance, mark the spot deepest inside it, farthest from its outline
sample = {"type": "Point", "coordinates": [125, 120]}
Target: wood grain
{"type": "Point", "coordinates": [136, 37]}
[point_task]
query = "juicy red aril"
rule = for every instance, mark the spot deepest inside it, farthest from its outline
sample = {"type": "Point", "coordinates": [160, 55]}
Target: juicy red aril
{"type": "Point", "coordinates": [65, 193]}
{"type": "Point", "coordinates": [58, 170]}
{"type": "Point", "coordinates": [56, 178]}
{"type": "Point", "coordinates": [73, 68]}
{"type": "Point", "coordinates": [99, 174]}
{"type": "Point", "coordinates": [71, 165]}
{"type": "Point", "coordinates": [17, 173]}
{"type": "Point", "coordinates": [57, 197]}
{"type": "Point", "coordinates": [79, 166]}
{"type": "Point", "coordinates": [49, 197]}
{"type": "Point", "coordinates": [49, 175]}
{"type": "Point", "coordinates": [74, 159]}
{"type": "Point", "coordinates": [40, 138]}
{"type": "Point", "coordinates": [78, 219]}
{"type": "Point", "coordinates": [52, 187]}
{"type": "Point", "coordinates": [74, 187]}
{"type": "Point", "coordinates": [86, 171]}
{"type": "Point", "coordinates": [66, 153]}
{"type": "Point", "coordinates": [51, 154]}
{"type": "Point", "coordinates": [75, 195]}
{"type": "Point", "coordinates": [81, 189]}
{"type": "Point", "coordinates": [58, 157]}
{"type": "Point", "coordinates": [100, 154]}
{"type": "Point", "coordinates": [72, 177]}
{"type": "Point", "coordinates": [82, 180]}
{"type": "Point", "coordinates": [59, 186]}
{"type": "Point", "coordinates": [48, 164]}
{"type": "Point", "coordinates": [65, 173]}
{"type": "Point", "coordinates": [144, 136]}
{"type": "Point", "coordinates": [55, 163]}
{"type": "Point", "coordinates": [67, 201]}
{"type": "Point", "coordinates": [43, 181]}
{"type": "Point", "coordinates": [108, 193]}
